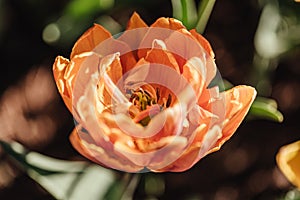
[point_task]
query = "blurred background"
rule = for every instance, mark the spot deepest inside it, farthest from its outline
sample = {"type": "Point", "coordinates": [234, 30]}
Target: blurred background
{"type": "Point", "coordinates": [256, 42]}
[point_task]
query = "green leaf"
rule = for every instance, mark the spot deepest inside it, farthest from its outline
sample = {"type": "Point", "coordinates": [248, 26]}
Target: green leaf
{"type": "Point", "coordinates": [204, 11]}
{"type": "Point", "coordinates": [63, 179]}
{"type": "Point", "coordinates": [265, 108]}
{"type": "Point", "coordinates": [84, 8]}
{"type": "Point", "coordinates": [185, 11]}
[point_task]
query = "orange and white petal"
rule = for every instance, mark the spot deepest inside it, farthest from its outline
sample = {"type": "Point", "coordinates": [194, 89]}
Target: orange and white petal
{"type": "Point", "coordinates": [135, 21]}
{"type": "Point", "coordinates": [288, 160]}
{"type": "Point", "coordinates": [160, 56]}
{"type": "Point", "coordinates": [238, 101]}
{"type": "Point", "coordinates": [87, 107]}
{"type": "Point", "coordinates": [90, 39]}
{"type": "Point", "coordinates": [195, 151]}
{"type": "Point", "coordinates": [171, 148]}
{"type": "Point", "coordinates": [194, 72]}
{"type": "Point", "coordinates": [159, 30]}
{"type": "Point", "coordinates": [111, 70]}
{"type": "Point", "coordinates": [204, 43]}
{"type": "Point", "coordinates": [184, 46]}
{"type": "Point", "coordinates": [136, 77]}
{"type": "Point", "coordinates": [168, 23]}
{"type": "Point", "coordinates": [72, 76]}
{"type": "Point", "coordinates": [59, 69]}
{"type": "Point", "coordinates": [167, 123]}
{"type": "Point", "coordinates": [101, 155]}
{"type": "Point", "coordinates": [135, 31]}
{"type": "Point", "coordinates": [76, 142]}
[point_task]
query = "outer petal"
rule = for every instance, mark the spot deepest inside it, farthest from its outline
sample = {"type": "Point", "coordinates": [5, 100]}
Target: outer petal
{"type": "Point", "coordinates": [204, 43]}
{"type": "Point", "coordinates": [159, 30]}
{"type": "Point", "coordinates": [64, 72]}
{"type": "Point", "coordinates": [195, 73]}
{"type": "Point", "coordinates": [135, 22]}
{"type": "Point", "coordinates": [90, 39]}
{"type": "Point", "coordinates": [66, 75]}
{"type": "Point", "coordinates": [169, 23]}
{"type": "Point", "coordinates": [196, 151]}
{"type": "Point", "coordinates": [134, 34]}
{"type": "Point", "coordinates": [77, 144]}
{"type": "Point", "coordinates": [83, 143]}
{"type": "Point", "coordinates": [210, 138]}
{"type": "Point", "coordinates": [288, 160]}
{"type": "Point", "coordinates": [238, 102]}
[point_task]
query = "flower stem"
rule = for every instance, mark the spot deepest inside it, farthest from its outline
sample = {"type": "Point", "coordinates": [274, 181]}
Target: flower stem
{"type": "Point", "coordinates": [204, 11]}
{"type": "Point", "coordinates": [132, 183]}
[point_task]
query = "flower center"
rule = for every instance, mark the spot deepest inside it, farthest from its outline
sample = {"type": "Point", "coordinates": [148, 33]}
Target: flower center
{"type": "Point", "coordinates": [147, 102]}
{"type": "Point", "coordinates": [141, 99]}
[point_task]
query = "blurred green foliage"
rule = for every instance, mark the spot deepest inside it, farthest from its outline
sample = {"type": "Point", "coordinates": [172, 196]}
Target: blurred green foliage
{"type": "Point", "coordinates": [63, 179]}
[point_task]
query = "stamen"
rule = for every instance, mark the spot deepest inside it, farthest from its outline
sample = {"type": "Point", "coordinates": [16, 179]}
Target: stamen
{"type": "Point", "coordinates": [169, 100]}
{"type": "Point", "coordinates": [157, 94]}
{"type": "Point", "coordinates": [145, 99]}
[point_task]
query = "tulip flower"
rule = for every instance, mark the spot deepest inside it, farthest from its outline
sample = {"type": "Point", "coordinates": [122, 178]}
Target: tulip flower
{"type": "Point", "coordinates": [142, 100]}
{"type": "Point", "coordinates": [288, 160]}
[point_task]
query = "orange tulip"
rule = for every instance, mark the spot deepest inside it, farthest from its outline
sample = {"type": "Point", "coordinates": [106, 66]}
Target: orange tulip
{"type": "Point", "coordinates": [288, 160]}
{"type": "Point", "coordinates": [141, 101]}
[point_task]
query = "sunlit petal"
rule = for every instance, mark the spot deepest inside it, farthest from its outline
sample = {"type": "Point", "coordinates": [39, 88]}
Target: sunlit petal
{"type": "Point", "coordinates": [87, 147]}
{"type": "Point", "coordinates": [238, 102]}
{"type": "Point", "coordinates": [288, 160]}
{"type": "Point", "coordinates": [204, 43]}
{"type": "Point", "coordinates": [168, 23]}
{"type": "Point", "coordinates": [59, 67]}
{"type": "Point", "coordinates": [90, 39]}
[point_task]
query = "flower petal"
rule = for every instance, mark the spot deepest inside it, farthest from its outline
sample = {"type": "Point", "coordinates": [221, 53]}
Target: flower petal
{"type": "Point", "coordinates": [112, 46]}
{"type": "Point", "coordinates": [167, 123]}
{"type": "Point", "coordinates": [172, 148]}
{"type": "Point", "coordinates": [196, 151]}
{"type": "Point", "coordinates": [76, 142]}
{"type": "Point", "coordinates": [83, 143]}
{"type": "Point", "coordinates": [136, 77]}
{"type": "Point", "coordinates": [60, 67]}
{"type": "Point", "coordinates": [169, 23]}
{"type": "Point", "coordinates": [288, 160]}
{"type": "Point", "coordinates": [159, 30]}
{"type": "Point", "coordinates": [134, 34]}
{"type": "Point", "coordinates": [151, 143]}
{"type": "Point", "coordinates": [99, 40]}
{"type": "Point", "coordinates": [112, 70]}
{"type": "Point", "coordinates": [238, 102]}
{"type": "Point", "coordinates": [90, 39]}
{"type": "Point", "coordinates": [135, 21]}
{"type": "Point", "coordinates": [160, 56]}
{"type": "Point", "coordinates": [194, 71]}
{"type": "Point", "coordinates": [185, 46]}
{"type": "Point", "coordinates": [204, 43]}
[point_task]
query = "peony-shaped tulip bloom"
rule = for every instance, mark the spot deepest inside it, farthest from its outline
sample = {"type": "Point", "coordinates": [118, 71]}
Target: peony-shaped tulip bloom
{"type": "Point", "coordinates": [288, 160]}
{"type": "Point", "coordinates": [142, 100]}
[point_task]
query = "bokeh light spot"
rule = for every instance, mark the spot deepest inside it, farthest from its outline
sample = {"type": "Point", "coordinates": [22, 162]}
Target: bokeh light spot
{"type": "Point", "coordinates": [51, 33]}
